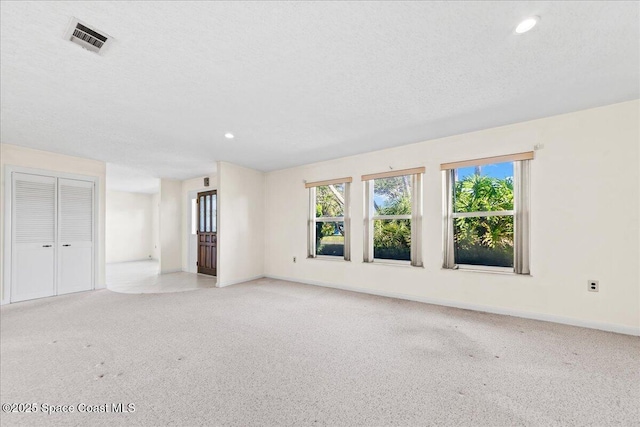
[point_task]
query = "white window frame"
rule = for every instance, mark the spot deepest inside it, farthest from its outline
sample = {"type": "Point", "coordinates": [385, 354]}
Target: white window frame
{"type": "Point", "coordinates": [415, 217]}
{"type": "Point", "coordinates": [520, 213]}
{"type": "Point", "coordinates": [313, 220]}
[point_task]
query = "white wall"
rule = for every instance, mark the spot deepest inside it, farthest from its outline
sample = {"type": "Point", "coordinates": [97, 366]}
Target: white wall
{"type": "Point", "coordinates": [241, 202]}
{"type": "Point", "coordinates": [129, 231]}
{"type": "Point", "coordinates": [584, 221]}
{"type": "Point", "coordinates": [155, 226]}
{"type": "Point", "coordinates": [188, 186]}
{"type": "Point", "coordinates": [170, 226]}
{"type": "Point", "coordinates": [36, 159]}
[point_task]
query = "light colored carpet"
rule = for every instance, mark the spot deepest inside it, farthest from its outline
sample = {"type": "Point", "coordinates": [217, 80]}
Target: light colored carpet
{"type": "Point", "coordinates": [269, 352]}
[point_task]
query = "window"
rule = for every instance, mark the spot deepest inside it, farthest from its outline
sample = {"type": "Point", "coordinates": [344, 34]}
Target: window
{"type": "Point", "coordinates": [329, 218]}
{"type": "Point", "coordinates": [393, 216]}
{"type": "Point", "coordinates": [487, 213]}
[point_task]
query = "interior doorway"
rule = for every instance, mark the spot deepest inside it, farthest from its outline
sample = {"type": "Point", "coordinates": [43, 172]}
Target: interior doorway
{"type": "Point", "coordinates": [207, 232]}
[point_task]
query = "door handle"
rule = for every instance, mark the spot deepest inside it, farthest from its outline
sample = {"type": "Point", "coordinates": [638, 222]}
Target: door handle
{"type": "Point", "coordinates": [66, 245]}
{"type": "Point", "coordinates": [46, 246]}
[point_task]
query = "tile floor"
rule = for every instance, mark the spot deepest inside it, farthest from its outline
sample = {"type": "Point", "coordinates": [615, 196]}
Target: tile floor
{"type": "Point", "coordinates": [141, 277]}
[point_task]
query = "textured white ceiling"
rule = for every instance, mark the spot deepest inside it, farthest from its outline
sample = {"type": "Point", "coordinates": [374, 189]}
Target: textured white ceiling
{"type": "Point", "coordinates": [299, 82]}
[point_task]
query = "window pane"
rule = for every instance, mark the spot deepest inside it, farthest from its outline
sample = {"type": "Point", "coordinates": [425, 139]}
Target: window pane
{"type": "Point", "coordinates": [208, 214]}
{"type": "Point", "coordinates": [194, 216]}
{"type": "Point", "coordinates": [201, 214]}
{"type": "Point", "coordinates": [392, 239]}
{"type": "Point", "coordinates": [484, 241]}
{"type": "Point", "coordinates": [214, 212]}
{"type": "Point", "coordinates": [330, 200]}
{"type": "Point", "coordinates": [392, 196]}
{"type": "Point", "coordinates": [484, 188]}
{"type": "Point", "coordinates": [330, 238]}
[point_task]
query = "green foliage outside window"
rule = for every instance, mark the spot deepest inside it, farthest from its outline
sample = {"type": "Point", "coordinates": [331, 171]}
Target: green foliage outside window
{"type": "Point", "coordinates": [330, 235]}
{"type": "Point", "coordinates": [484, 240]}
{"type": "Point", "coordinates": [392, 238]}
{"type": "Point", "coordinates": [478, 240]}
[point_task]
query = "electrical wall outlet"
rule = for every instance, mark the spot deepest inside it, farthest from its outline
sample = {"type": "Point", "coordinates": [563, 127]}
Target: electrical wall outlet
{"type": "Point", "coordinates": [294, 259]}
{"type": "Point", "coordinates": [593, 286]}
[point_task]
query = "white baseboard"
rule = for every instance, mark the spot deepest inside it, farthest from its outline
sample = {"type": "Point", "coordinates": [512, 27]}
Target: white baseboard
{"type": "Point", "coordinates": [132, 260]}
{"type": "Point", "coordinates": [96, 288]}
{"type": "Point", "coordinates": [609, 327]}
{"type": "Point", "coordinates": [174, 270]}
{"type": "Point", "coordinates": [235, 282]}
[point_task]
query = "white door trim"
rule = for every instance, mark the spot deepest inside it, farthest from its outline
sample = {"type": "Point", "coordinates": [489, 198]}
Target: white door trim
{"type": "Point", "coordinates": [8, 210]}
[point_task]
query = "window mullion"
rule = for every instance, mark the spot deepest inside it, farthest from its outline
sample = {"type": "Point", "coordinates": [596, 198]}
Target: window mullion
{"type": "Point", "coordinates": [329, 219]}
{"type": "Point", "coordinates": [479, 214]}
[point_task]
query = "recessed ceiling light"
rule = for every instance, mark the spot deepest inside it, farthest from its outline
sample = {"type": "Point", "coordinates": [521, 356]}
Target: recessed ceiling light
{"type": "Point", "coordinates": [228, 135]}
{"type": "Point", "coordinates": [527, 24]}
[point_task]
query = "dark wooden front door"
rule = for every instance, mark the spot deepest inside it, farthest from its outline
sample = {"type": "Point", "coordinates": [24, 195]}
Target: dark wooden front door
{"type": "Point", "coordinates": [207, 232]}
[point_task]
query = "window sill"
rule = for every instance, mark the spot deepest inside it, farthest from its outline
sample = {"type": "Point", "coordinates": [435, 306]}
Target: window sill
{"type": "Point", "coordinates": [489, 270]}
{"type": "Point", "coordinates": [392, 263]}
{"type": "Point", "coordinates": [328, 258]}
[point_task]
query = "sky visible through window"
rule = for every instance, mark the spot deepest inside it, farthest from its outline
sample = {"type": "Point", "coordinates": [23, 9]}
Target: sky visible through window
{"type": "Point", "coordinates": [495, 170]}
{"type": "Point", "coordinates": [387, 190]}
{"type": "Point", "coordinates": [380, 200]}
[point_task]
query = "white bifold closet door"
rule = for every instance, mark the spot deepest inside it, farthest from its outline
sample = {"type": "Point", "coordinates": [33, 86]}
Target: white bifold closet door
{"type": "Point", "coordinates": [34, 237]}
{"type": "Point", "coordinates": [75, 236]}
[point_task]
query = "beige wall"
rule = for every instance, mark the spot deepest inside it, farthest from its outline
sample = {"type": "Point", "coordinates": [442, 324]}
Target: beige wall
{"type": "Point", "coordinates": [44, 160]}
{"type": "Point", "coordinates": [241, 201]}
{"type": "Point", "coordinates": [170, 226]}
{"type": "Point", "coordinates": [129, 226]}
{"type": "Point", "coordinates": [189, 185]}
{"type": "Point", "coordinates": [584, 222]}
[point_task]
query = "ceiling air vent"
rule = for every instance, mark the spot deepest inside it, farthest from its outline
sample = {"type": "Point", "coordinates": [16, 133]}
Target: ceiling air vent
{"type": "Point", "coordinates": [89, 38]}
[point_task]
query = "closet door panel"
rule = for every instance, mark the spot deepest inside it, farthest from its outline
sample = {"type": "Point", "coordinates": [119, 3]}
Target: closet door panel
{"type": "Point", "coordinates": [33, 236]}
{"type": "Point", "coordinates": [33, 273]}
{"type": "Point", "coordinates": [75, 241]}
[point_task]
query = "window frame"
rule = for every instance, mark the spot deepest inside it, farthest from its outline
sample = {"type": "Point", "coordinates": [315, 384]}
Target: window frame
{"type": "Point", "coordinates": [415, 218]}
{"type": "Point", "coordinates": [313, 220]}
{"type": "Point", "coordinates": [520, 213]}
